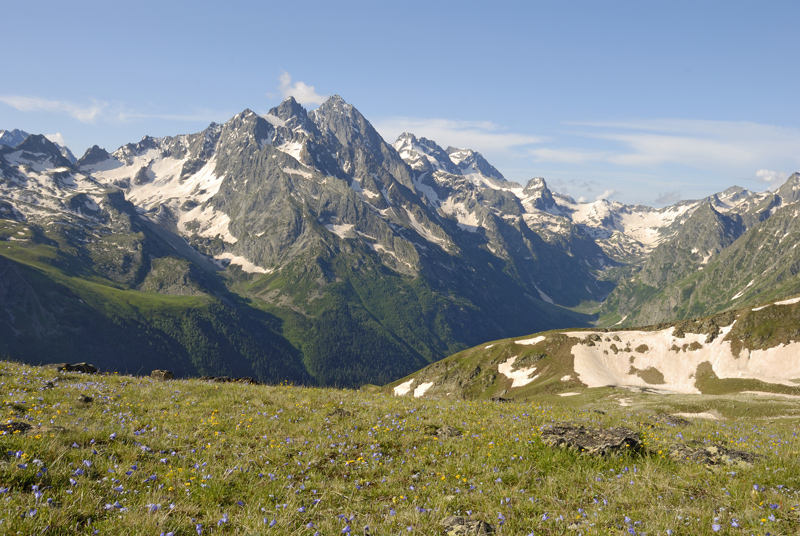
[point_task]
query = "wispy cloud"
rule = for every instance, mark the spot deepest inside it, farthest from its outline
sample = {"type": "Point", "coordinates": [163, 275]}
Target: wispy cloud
{"type": "Point", "coordinates": [606, 194]}
{"type": "Point", "coordinates": [86, 113]}
{"type": "Point", "coordinates": [482, 136]}
{"type": "Point", "coordinates": [668, 198]}
{"type": "Point", "coordinates": [56, 138]}
{"type": "Point", "coordinates": [302, 92]}
{"type": "Point", "coordinates": [202, 116]}
{"type": "Point", "coordinates": [103, 111]}
{"type": "Point", "coordinates": [710, 145]}
{"type": "Point", "coordinates": [774, 179]}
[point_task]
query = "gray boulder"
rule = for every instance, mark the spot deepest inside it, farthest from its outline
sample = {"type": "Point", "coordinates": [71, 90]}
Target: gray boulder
{"type": "Point", "coordinates": [162, 375]}
{"type": "Point", "coordinates": [598, 441]}
{"type": "Point", "coordinates": [462, 526]}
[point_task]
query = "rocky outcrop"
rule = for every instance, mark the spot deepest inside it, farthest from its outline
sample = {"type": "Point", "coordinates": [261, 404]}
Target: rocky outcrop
{"type": "Point", "coordinates": [462, 526]}
{"type": "Point", "coordinates": [228, 379]}
{"type": "Point", "coordinates": [593, 441]}
{"type": "Point", "coordinates": [14, 428]}
{"type": "Point", "coordinates": [712, 454]}
{"type": "Point", "coordinates": [85, 368]}
{"type": "Point", "coordinates": [162, 375]}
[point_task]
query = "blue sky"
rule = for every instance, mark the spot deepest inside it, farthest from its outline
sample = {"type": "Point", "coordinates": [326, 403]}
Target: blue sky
{"type": "Point", "coordinates": [640, 102]}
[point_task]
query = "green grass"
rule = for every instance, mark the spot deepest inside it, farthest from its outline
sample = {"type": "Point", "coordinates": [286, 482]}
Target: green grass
{"type": "Point", "coordinates": [147, 457]}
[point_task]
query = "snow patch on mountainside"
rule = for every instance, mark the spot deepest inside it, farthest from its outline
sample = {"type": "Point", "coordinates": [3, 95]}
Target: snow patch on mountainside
{"type": "Point", "coordinates": [247, 265]}
{"type": "Point", "coordinates": [340, 230]}
{"type": "Point", "coordinates": [422, 231]}
{"type": "Point", "coordinates": [534, 340]}
{"type": "Point", "coordinates": [212, 223]}
{"type": "Point", "coordinates": [519, 377]}
{"type": "Point", "coordinates": [403, 388]}
{"type": "Point", "coordinates": [422, 388]}
{"type": "Point", "coordinates": [46, 193]}
{"type": "Point", "coordinates": [292, 148]}
{"type": "Point", "coordinates": [783, 302]}
{"type": "Point", "coordinates": [467, 220]}
{"type": "Point", "coordinates": [740, 293]}
{"type": "Point", "coordinates": [658, 359]}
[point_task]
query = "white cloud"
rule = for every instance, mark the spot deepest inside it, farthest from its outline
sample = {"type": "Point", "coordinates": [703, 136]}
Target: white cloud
{"type": "Point", "coordinates": [83, 113]}
{"type": "Point", "coordinates": [773, 178]}
{"type": "Point", "coordinates": [56, 138]}
{"type": "Point", "coordinates": [482, 136]}
{"type": "Point", "coordinates": [708, 145]}
{"type": "Point", "coordinates": [606, 194]}
{"type": "Point", "coordinates": [302, 93]}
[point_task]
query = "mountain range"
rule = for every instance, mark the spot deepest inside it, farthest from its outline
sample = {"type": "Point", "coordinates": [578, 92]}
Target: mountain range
{"type": "Point", "coordinates": [301, 246]}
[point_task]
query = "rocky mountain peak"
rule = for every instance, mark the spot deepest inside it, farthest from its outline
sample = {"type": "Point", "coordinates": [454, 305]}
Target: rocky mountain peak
{"type": "Point", "coordinates": [12, 138]}
{"type": "Point", "coordinates": [469, 161]}
{"type": "Point", "coordinates": [38, 148]}
{"type": "Point", "coordinates": [542, 196]}
{"type": "Point", "coordinates": [423, 155]}
{"type": "Point", "coordinates": [93, 155]}
{"type": "Point", "coordinates": [292, 115]}
{"type": "Point", "coordinates": [342, 120]}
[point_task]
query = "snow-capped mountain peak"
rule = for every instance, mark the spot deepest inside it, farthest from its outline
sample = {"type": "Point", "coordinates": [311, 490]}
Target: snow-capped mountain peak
{"type": "Point", "coordinates": [14, 137]}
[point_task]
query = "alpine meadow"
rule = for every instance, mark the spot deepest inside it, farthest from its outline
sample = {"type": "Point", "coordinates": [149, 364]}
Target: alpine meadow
{"type": "Point", "coordinates": [504, 269]}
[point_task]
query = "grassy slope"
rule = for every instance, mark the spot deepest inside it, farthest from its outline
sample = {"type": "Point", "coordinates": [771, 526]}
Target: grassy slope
{"type": "Point", "coordinates": [61, 315]}
{"type": "Point", "coordinates": [473, 373]}
{"type": "Point", "coordinates": [374, 325]}
{"type": "Point", "coordinates": [148, 457]}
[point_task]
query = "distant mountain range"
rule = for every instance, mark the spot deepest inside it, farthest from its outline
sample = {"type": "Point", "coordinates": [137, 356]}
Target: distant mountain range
{"type": "Point", "coordinates": [301, 246]}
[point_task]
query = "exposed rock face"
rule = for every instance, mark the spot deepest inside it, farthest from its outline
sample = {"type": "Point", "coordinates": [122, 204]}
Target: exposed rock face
{"type": "Point", "coordinates": [162, 375]}
{"type": "Point", "coordinates": [228, 379]}
{"type": "Point", "coordinates": [14, 427]}
{"type": "Point", "coordinates": [85, 368]}
{"type": "Point", "coordinates": [671, 420]}
{"type": "Point", "coordinates": [462, 526]}
{"type": "Point", "coordinates": [596, 441]}
{"type": "Point", "coordinates": [712, 454]}
{"type": "Point", "coordinates": [448, 431]}
{"type": "Point", "coordinates": [339, 412]}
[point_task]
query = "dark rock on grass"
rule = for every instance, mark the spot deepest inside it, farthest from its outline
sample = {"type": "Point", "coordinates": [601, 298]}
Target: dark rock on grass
{"type": "Point", "coordinates": [86, 399]}
{"type": "Point", "coordinates": [228, 379]}
{"type": "Point", "coordinates": [339, 412]}
{"type": "Point", "coordinates": [14, 428]}
{"type": "Point", "coordinates": [162, 375]}
{"type": "Point", "coordinates": [85, 368]}
{"type": "Point", "coordinates": [462, 526]}
{"type": "Point", "coordinates": [671, 420]}
{"type": "Point", "coordinates": [597, 441]}
{"type": "Point", "coordinates": [448, 431]}
{"type": "Point", "coordinates": [712, 454]}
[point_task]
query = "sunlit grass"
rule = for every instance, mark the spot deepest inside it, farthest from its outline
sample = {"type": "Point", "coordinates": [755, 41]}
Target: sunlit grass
{"type": "Point", "coordinates": [192, 457]}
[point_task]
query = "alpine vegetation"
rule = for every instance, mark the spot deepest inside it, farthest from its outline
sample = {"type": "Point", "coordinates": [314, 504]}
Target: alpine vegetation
{"type": "Point", "coordinates": [107, 453]}
{"type": "Point", "coordinates": [302, 246]}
